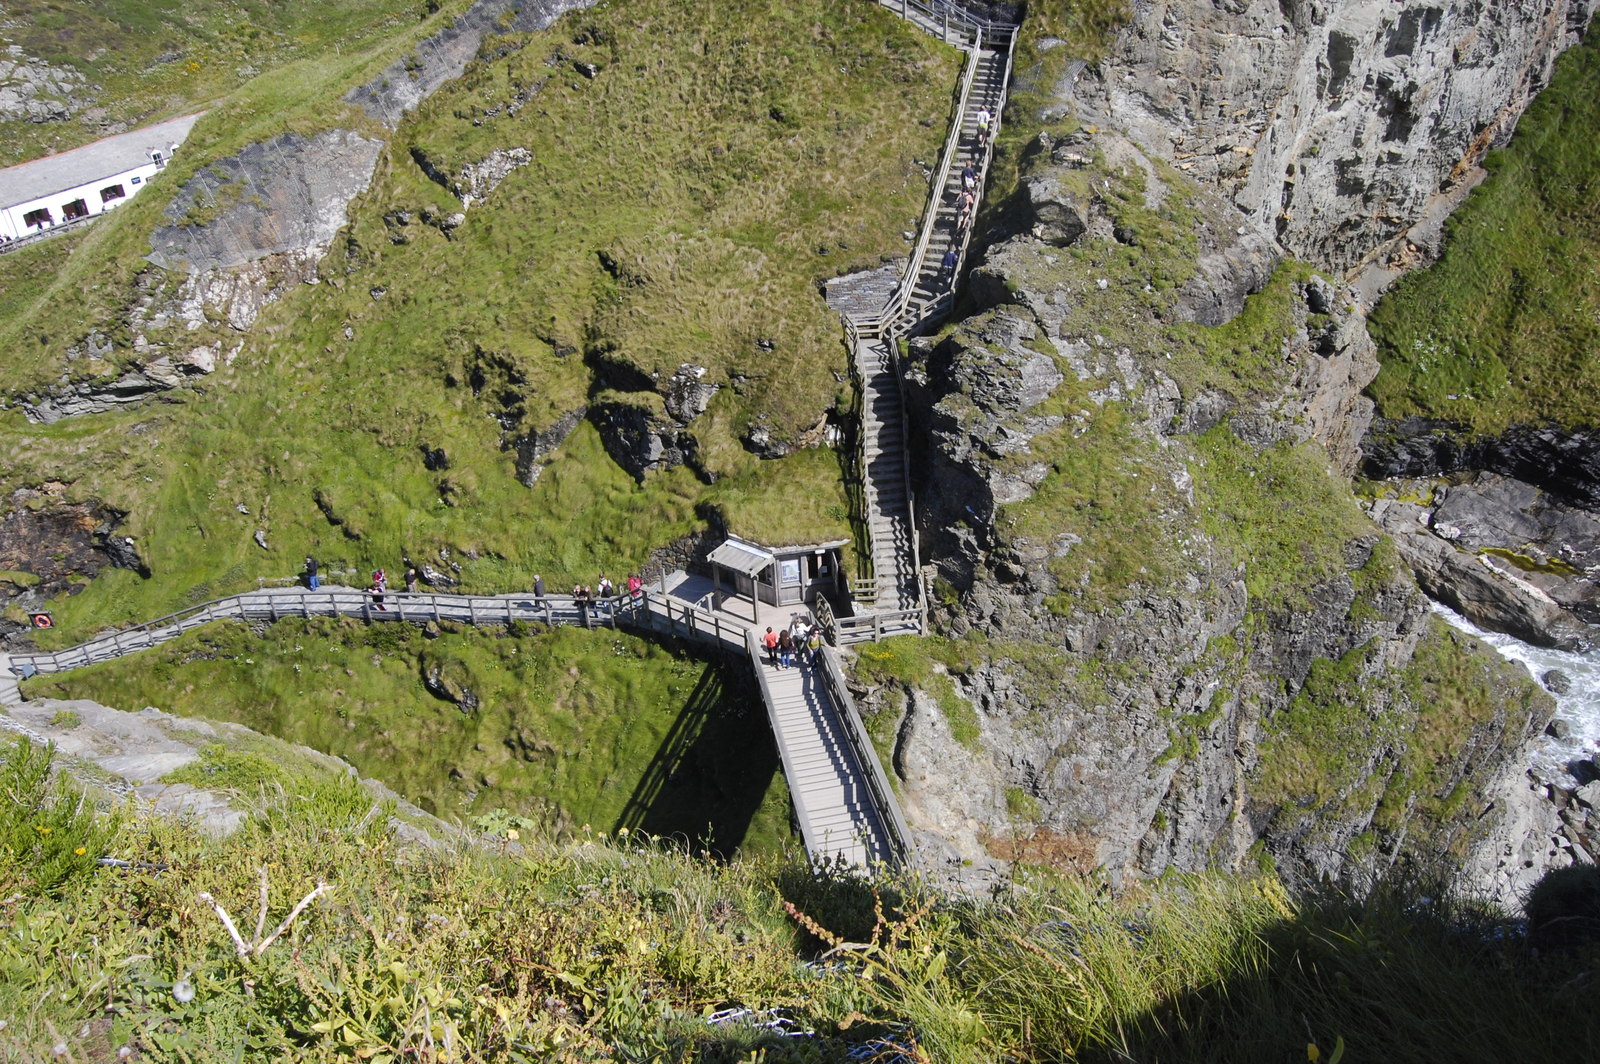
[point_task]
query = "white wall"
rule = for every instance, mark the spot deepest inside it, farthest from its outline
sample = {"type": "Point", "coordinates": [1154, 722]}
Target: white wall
{"type": "Point", "coordinates": [11, 223]}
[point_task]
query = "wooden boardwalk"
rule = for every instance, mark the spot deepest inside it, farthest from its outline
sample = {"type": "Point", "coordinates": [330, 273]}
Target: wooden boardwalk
{"type": "Point", "coordinates": [845, 809]}
{"type": "Point", "coordinates": [843, 805]}
{"type": "Point", "coordinates": [842, 801]}
{"type": "Point", "coordinates": [923, 296]}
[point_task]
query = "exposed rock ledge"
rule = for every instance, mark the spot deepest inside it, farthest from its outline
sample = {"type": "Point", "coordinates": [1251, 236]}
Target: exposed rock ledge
{"type": "Point", "coordinates": [129, 753]}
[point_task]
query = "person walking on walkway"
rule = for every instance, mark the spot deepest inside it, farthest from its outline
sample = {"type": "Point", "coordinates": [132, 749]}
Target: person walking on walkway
{"type": "Point", "coordinates": [311, 573]}
{"type": "Point", "coordinates": [785, 649]}
{"type": "Point", "coordinates": [538, 590]}
{"type": "Point", "coordinates": [947, 268]}
{"type": "Point", "coordinates": [770, 640]}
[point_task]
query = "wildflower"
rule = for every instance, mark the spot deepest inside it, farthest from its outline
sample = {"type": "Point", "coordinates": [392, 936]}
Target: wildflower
{"type": "Point", "coordinates": [622, 832]}
{"type": "Point", "coordinates": [80, 851]}
{"type": "Point", "coordinates": [41, 829]}
{"type": "Point", "coordinates": [183, 990]}
{"type": "Point", "coordinates": [513, 834]}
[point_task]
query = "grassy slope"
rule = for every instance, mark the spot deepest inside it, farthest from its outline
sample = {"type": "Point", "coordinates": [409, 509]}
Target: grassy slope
{"type": "Point", "coordinates": [604, 952]}
{"type": "Point", "coordinates": [571, 728]}
{"type": "Point", "coordinates": [147, 59]}
{"type": "Point", "coordinates": [303, 411]}
{"type": "Point", "coordinates": [1503, 329]}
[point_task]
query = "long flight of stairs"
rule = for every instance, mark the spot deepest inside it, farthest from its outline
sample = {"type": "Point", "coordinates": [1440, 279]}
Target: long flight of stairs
{"type": "Point", "coordinates": [924, 296]}
{"type": "Point", "coordinates": [932, 285]}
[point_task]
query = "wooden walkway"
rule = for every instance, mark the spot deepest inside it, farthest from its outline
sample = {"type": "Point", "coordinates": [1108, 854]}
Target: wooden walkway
{"type": "Point", "coordinates": [844, 806]}
{"type": "Point", "coordinates": [923, 296]}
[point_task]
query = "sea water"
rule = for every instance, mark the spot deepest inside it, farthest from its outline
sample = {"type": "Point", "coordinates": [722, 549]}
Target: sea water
{"type": "Point", "coordinates": [1552, 759]}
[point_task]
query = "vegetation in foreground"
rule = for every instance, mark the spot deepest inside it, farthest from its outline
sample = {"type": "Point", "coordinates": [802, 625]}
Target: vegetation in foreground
{"type": "Point", "coordinates": [1502, 329]}
{"type": "Point", "coordinates": [621, 949]}
{"type": "Point", "coordinates": [561, 728]}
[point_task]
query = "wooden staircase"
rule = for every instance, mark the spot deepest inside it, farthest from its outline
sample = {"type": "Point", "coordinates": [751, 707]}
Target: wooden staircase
{"type": "Point", "coordinates": [922, 298]}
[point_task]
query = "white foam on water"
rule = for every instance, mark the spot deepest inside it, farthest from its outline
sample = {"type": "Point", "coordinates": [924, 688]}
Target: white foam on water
{"type": "Point", "coordinates": [1580, 706]}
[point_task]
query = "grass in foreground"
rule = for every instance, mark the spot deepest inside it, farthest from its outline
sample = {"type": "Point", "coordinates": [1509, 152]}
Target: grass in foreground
{"type": "Point", "coordinates": [626, 951]}
{"type": "Point", "coordinates": [1502, 329]}
{"type": "Point", "coordinates": [561, 727]}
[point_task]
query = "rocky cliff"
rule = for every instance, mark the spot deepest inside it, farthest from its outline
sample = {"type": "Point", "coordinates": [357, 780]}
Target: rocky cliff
{"type": "Point", "coordinates": [1183, 641]}
{"type": "Point", "coordinates": [1335, 126]}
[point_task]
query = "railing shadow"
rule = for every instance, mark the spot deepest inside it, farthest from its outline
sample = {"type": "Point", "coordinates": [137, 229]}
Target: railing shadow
{"type": "Point", "coordinates": [711, 772]}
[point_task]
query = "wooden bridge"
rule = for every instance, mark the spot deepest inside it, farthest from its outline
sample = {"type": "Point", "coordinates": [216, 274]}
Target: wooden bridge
{"type": "Point", "coordinates": [844, 806]}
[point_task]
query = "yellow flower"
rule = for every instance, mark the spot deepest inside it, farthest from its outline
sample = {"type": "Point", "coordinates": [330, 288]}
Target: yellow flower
{"type": "Point", "coordinates": [622, 831]}
{"type": "Point", "coordinates": [80, 851]}
{"type": "Point", "coordinates": [41, 829]}
{"type": "Point", "coordinates": [513, 834]}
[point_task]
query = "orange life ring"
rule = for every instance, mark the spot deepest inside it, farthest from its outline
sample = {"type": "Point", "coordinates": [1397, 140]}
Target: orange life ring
{"type": "Point", "coordinates": [43, 620]}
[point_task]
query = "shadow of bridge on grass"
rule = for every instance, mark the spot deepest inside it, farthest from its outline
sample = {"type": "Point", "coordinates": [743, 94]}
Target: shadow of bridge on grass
{"type": "Point", "coordinates": [712, 771]}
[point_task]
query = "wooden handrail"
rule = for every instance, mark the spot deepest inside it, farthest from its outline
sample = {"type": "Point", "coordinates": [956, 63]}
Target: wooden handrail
{"type": "Point", "coordinates": [888, 807]}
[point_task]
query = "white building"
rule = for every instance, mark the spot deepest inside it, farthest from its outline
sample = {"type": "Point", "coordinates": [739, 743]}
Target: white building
{"type": "Point", "coordinates": [44, 193]}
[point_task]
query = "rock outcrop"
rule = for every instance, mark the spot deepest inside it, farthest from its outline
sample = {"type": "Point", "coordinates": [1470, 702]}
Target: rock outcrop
{"type": "Point", "coordinates": [1563, 462]}
{"type": "Point", "coordinates": [1335, 125]}
{"type": "Point", "coordinates": [1140, 706]}
{"type": "Point", "coordinates": [35, 91]}
{"type": "Point", "coordinates": [444, 55]}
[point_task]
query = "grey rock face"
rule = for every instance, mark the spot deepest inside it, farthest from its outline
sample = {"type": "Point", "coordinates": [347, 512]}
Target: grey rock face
{"type": "Point", "coordinates": [443, 56]}
{"type": "Point", "coordinates": [483, 177]}
{"type": "Point", "coordinates": [638, 439]}
{"type": "Point", "coordinates": [1140, 747]}
{"type": "Point", "coordinates": [1564, 462]}
{"type": "Point", "coordinates": [1489, 595]}
{"type": "Point", "coordinates": [1334, 125]}
{"type": "Point", "coordinates": [288, 194]}
{"type": "Point", "coordinates": [35, 91]}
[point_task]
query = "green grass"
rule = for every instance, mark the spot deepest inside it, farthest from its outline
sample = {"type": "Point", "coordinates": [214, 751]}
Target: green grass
{"type": "Point", "coordinates": [622, 950]}
{"type": "Point", "coordinates": [150, 58]}
{"type": "Point", "coordinates": [569, 728]}
{"type": "Point", "coordinates": [1399, 743]}
{"type": "Point", "coordinates": [925, 664]}
{"type": "Point", "coordinates": [1502, 330]}
{"type": "Point", "coordinates": [1278, 513]}
{"type": "Point", "coordinates": [671, 162]}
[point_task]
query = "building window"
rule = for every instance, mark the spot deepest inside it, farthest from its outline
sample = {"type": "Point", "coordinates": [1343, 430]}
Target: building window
{"type": "Point", "coordinates": [111, 193]}
{"type": "Point", "coordinates": [135, 180]}
{"type": "Point", "coordinates": [159, 159]}
{"type": "Point", "coordinates": [76, 209]}
{"type": "Point", "coordinates": [38, 219]}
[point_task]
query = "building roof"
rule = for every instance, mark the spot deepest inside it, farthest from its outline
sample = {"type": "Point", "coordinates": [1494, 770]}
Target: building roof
{"type": "Point", "coordinates": [81, 166]}
{"type": "Point", "coordinates": [741, 557]}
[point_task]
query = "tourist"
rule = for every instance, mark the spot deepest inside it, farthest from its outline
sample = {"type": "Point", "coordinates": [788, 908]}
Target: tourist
{"type": "Point", "coordinates": [785, 649]}
{"type": "Point", "coordinates": [969, 178]}
{"type": "Point", "coordinates": [538, 589]}
{"type": "Point", "coordinates": [411, 578]}
{"type": "Point", "coordinates": [311, 573]}
{"type": "Point", "coordinates": [380, 579]}
{"type": "Point", "coordinates": [771, 641]}
{"type": "Point", "coordinates": [814, 645]}
{"type": "Point", "coordinates": [605, 587]}
{"type": "Point", "coordinates": [947, 267]}
{"type": "Point", "coordinates": [376, 591]}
